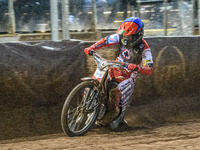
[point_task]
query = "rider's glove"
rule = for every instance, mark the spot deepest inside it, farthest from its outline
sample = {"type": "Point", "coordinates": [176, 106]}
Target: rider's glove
{"type": "Point", "coordinates": [87, 50]}
{"type": "Point", "coordinates": [132, 67]}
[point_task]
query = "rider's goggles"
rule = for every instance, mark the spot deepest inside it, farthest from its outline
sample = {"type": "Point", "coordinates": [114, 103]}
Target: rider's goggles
{"type": "Point", "coordinates": [129, 41]}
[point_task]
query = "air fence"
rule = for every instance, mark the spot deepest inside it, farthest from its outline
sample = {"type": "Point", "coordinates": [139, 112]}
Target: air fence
{"type": "Point", "coordinates": [36, 78]}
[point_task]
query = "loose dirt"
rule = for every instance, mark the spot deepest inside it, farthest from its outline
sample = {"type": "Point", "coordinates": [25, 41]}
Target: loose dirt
{"type": "Point", "coordinates": [161, 125]}
{"type": "Point", "coordinates": [178, 135]}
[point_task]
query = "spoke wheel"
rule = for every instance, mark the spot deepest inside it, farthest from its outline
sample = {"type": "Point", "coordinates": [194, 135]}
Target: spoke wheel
{"type": "Point", "coordinates": [80, 110]}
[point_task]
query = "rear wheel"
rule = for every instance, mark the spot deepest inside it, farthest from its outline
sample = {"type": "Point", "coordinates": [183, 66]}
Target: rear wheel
{"type": "Point", "coordinates": [80, 109]}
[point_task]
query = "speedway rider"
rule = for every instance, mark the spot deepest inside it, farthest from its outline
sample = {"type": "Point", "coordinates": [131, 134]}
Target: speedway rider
{"type": "Point", "coordinates": [135, 52]}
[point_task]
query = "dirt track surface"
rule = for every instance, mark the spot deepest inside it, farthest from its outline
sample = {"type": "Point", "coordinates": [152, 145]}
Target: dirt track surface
{"type": "Point", "coordinates": [180, 135]}
{"type": "Point", "coordinates": [162, 125]}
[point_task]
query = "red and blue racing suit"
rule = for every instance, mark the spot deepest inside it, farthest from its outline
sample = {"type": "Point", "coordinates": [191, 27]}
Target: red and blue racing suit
{"type": "Point", "coordinates": [139, 55]}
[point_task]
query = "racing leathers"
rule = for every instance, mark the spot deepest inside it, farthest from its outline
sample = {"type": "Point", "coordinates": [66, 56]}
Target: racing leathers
{"type": "Point", "coordinates": [139, 57]}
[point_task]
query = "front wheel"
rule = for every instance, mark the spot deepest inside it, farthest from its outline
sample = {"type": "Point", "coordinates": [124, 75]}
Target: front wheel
{"type": "Point", "coordinates": [80, 109]}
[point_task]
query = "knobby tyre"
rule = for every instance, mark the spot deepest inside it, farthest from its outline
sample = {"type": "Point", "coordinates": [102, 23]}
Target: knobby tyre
{"type": "Point", "coordinates": [80, 109]}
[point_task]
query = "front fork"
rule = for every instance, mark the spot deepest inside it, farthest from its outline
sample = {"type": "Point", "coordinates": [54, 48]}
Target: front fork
{"type": "Point", "coordinates": [96, 98]}
{"type": "Point", "coordinates": [92, 101]}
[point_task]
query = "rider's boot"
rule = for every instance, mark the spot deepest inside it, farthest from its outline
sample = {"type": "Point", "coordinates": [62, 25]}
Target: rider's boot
{"type": "Point", "coordinates": [116, 121]}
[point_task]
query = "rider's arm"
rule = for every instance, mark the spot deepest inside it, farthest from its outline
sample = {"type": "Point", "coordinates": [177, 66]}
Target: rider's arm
{"type": "Point", "coordinates": [146, 66]}
{"type": "Point", "coordinates": [107, 41]}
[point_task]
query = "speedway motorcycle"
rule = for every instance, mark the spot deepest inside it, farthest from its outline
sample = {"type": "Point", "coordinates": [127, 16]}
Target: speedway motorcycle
{"type": "Point", "coordinates": [86, 103]}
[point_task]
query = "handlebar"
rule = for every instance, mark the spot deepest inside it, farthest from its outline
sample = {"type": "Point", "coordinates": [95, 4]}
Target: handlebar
{"type": "Point", "coordinates": [120, 64]}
